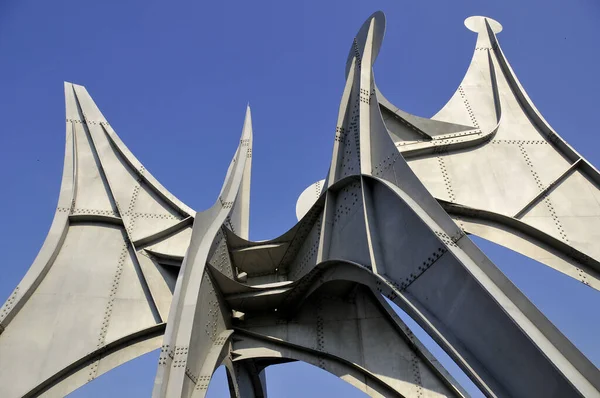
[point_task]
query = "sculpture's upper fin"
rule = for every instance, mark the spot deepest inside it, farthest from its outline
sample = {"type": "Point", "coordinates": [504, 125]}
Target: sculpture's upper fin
{"type": "Point", "coordinates": [145, 206]}
{"type": "Point", "coordinates": [239, 220]}
{"type": "Point", "coordinates": [518, 175]}
{"type": "Point", "coordinates": [358, 45]}
{"type": "Point", "coordinates": [471, 117]}
{"type": "Point", "coordinates": [91, 279]}
{"type": "Point", "coordinates": [473, 102]}
{"type": "Point", "coordinates": [188, 326]}
{"type": "Point", "coordinates": [362, 144]}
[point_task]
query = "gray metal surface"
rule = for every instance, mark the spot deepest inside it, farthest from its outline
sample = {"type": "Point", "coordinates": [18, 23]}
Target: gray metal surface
{"type": "Point", "coordinates": [127, 266]}
{"type": "Point", "coordinates": [93, 298]}
{"type": "Point", "coordinates": [508, 177]}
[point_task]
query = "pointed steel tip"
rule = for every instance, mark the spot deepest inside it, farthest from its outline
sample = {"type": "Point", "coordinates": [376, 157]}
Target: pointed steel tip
{"type": "Point", "coordinates": [478, 23]}
{"type": "Point", "coordinates": [378, 15]}
{"type": "Point", "coordinates": [378, 18]}
{"type": "Point", "coordinates": [73, 85]}
{"type": "Point", "coordinates": [247, 128]}
{"type": "Point", "coordinates": [68, 87]}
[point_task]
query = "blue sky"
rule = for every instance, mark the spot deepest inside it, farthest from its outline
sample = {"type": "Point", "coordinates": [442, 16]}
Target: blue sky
{"type": "Point", "coordinates": [173, 78]}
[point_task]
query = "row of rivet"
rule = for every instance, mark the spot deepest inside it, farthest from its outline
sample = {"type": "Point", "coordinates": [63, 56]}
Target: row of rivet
{"type": "Point", "coordinates": [468, 106]}
{"type": "Point", "coordinates": [443, 140]}
{"type": "Point", "coordinates": [299, 240]}
{"type": "Point", "coordinates": [77, 211]}
{"type": "Point", "coordinates": [365, 96]}
{"type": "Point", "coordinates": [454, 135]}
{"type": "Point", "coordinates": [308, 251]}
{"type": "Point", "coordinates": [351, 154]}
{"type": "Point", "coordinates": [426, 264]}
{"type": "Point", "coordinates": [228, 223]}
{"type": "Point", "coordinates": [432, 259]}
{"type": "Point", "coordinates": [519, 142]}
{"type": "Point", "coordinates": [93, 370]}
{"type": "Point", "coordinates": [386, 163]}
{"type": "Point", "coordinates": [541, 187]}
{"type": "Point", "coordinates": [446, 178]}
{"type": "Point", "coordinates": [226, 205]}
{"type": "Point", "coordinates": [320, 331]}
{"type": "Point", "coordinates": [102, 122]}
{"type": "Point", "coordinates": [191, 375]}
{"type": "Point", "coordinates": [213, 310]}
{"type": "Point", "coordinates": [417, 374]}
{"type": "Point", "coordinates": [584, 259]}
{"type": "Point", "coordinates": [203, 382]}
{"type": "Point", "coordinates": [388, 289]}
{"type": "Point", "coordinates": [9, 304]}
{"type": "Point", "coordinates": [318, 188]}
{"type": "Point", "coordinates": [357, 53]}
{"type": "Point", "coordinates": [112, 295]}
{"type": "Point", "coordinates": [557, 222]}
{"type": "Point", "coordinates": [131, 208]}
{"type": "Point", "coordinates": [179, 358]}
{"type": "Point", "coordinates": [340, 134]}
{"type": "Point", "coordinates": [154, 216]}
{"type": "Point", "coordinates": [220, 258]}
{"type": "Point", "coordinates": [347, 200]}
{"type": "Point", "coordinates": [220, 341]}
{"type": "Point", "coordinates": [529, 163]}
{"type": "Point", "coordinates": [165, 354]}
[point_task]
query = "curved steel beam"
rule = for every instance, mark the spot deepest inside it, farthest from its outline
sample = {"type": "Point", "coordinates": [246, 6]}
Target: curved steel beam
{"type": "Point", "coordinates": [121, 346]}
{"type": "Point", "coordinates": [527, 240]}
{"type": "Point", "coordinates": [280, 349]}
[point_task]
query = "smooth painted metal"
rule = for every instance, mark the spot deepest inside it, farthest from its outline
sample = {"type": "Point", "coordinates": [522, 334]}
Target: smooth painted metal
{"type": "Point", "coordinates": [126, 262]}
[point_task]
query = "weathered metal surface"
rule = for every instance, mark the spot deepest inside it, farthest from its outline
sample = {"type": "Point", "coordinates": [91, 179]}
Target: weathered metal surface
{"type": "Point", "coordinates": [126, 262]}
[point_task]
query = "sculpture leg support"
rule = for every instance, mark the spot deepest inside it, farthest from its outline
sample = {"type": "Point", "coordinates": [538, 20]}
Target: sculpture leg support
{"type": "Point", "coordinates": [245, 379]}
{"type": "Point", "coordinates": [343, 329]}
{"type": "Point", "coordinates": [474, 312]}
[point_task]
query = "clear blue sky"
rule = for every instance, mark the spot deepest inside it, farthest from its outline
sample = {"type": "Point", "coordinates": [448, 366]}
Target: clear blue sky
{"type": "Point", "coordinates": [173, 78]}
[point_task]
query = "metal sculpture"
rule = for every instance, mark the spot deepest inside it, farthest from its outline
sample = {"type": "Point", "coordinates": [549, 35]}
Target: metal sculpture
{"type": "Point", "coordinates": [125, 262]}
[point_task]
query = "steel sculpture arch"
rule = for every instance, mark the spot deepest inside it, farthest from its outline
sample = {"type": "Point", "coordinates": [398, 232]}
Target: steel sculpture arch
{"type": "Point", "coordinates": [126, 262]}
